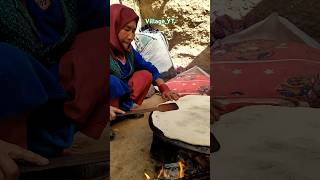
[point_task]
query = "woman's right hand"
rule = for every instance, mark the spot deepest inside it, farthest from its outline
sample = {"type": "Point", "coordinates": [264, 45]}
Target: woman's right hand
{"type": "Point", "coordinates": [113, 111]}
{"type": "Point", "coordinates": [9, 170]}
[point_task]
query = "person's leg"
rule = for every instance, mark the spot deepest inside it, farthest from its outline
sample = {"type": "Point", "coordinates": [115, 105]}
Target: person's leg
{"type": "Point", "coordinates": [26, 87]}
{"type": "Point", "coordinates": [118, 89]}
{"type": "Point", "coordinates": [139, 84]}
{"type": "Point", "coordinates": [21, 88]}
{"type": "Point", "coordinates": [21, 92]}
{"type": "Point", "coordinates": [120, 94]}
{"type": "Point", "coordinates": [83, 73]}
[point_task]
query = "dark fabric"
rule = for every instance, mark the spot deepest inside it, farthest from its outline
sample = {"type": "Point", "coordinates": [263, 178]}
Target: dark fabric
{"type": "Point", "coordinates": [30, 86]}
{"type": "Point", "coordinates": [120, 93]}
{"type": "Point", "coordinates": [50, 131]}
{"type": "Point", "coordinates": [25, 83]}
{"type": "Point", "coordinates": [120, 15]}
{"type": "Point", "coordinates": [34, 35]}
{"type": "Point", "coordinates": [122, 71]}
{"type": "Point", "coordinates": [27, 86]}
{"type": "Point", "coordinates": [126, 68]}
{"type": "Point", "coordinates": [24, 34]}
{"type": "Point", "coordinates": [83, 75]}
{"type": "Point", "coordinates": [50, 22]}
{"type": "Point", "coordinates": [92, 14]}
{"type": "Point", "coordinates": [118, 87]}
{"type": "Point", "coordinates": [124, 93]}
{"type": "Point", "coordinates": [135, 62]}
{"type": "Point", "coordinates": [14, 130]}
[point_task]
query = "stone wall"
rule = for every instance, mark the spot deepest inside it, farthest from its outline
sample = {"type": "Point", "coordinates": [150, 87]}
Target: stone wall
{"type": "Point", "coordinates": [188, 36]}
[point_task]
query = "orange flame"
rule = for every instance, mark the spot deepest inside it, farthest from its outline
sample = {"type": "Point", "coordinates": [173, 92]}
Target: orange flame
{"type": "Point", "coordinates": [180, 173]}
{"type": "Point", "coordinates": [181, 167]}
{"type": "Point", "coordinates": [147, 176]}
{"type": "Point", "coordinates": [161, 172]}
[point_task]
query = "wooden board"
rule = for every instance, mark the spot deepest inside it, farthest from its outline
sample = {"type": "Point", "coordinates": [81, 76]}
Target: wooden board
{"type": "Point", "coordinates": [67, 161]}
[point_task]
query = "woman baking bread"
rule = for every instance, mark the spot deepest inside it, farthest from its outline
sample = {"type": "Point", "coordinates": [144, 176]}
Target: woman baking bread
{"type": "Point", "coordinates": [130, 75]}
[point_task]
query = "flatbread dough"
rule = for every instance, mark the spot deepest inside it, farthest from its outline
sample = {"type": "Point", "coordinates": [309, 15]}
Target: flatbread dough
{"type": "Point", "coordinates": [261, 141]}
{"type": "Point", "coordinates": [190, 124]}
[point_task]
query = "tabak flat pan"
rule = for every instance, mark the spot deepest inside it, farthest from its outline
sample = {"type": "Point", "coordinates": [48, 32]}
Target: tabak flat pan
{"type": "Point", "coordinates": [196, 148]}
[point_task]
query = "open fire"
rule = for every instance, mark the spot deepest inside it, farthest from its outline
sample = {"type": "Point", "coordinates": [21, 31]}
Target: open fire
{"type": "Point", "coordinates": [172, 171]}
{"type": "Point", "coordinates": [147, 176]}
{"type": "Point", "coordinates": [176, 160]}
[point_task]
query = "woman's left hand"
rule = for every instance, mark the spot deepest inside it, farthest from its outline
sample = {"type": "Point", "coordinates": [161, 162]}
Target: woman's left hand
{"type": "Point", "coordinates": [170, 95]}
{"type": "Point", "coordinates": [167, 94]}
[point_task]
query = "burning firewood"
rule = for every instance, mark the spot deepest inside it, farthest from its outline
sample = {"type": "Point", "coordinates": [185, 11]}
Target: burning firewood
{"type": "Point", "coordinates": [172, 171]}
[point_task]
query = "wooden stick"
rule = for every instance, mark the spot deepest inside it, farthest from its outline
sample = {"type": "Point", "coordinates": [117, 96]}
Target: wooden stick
{"type": "Point", "coordinates": [67, 161]}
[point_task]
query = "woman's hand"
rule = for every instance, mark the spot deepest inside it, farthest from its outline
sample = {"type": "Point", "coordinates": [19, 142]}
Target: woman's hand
{"type": "Point", "coordinates": [167, 94]}
{"type": "Point", "coordinates": [9, 170]}
{"type": "Point", "coordinates": [113, 111]}
{"type": "Point", "coordinates": [170, 95]}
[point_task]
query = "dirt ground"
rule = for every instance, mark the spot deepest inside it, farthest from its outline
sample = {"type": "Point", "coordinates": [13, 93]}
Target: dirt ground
{"type": "Point", "coordinates": [129, 151]}
{"type": "Point", "coordinates": [86, 145]}
{"type": "Point", "coordinates": [82, 145]}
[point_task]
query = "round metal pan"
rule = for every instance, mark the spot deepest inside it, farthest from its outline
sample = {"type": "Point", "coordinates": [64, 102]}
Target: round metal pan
{"type": "Point", "coordinates": [196, 148]}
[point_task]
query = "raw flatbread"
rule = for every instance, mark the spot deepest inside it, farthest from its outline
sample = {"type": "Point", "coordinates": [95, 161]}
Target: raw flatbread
{"type": "Point", "coordinates": [261, 141]}
{"type": "Point", "coordinates": [190, 124]}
